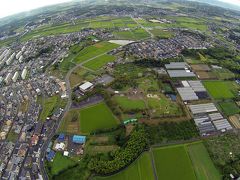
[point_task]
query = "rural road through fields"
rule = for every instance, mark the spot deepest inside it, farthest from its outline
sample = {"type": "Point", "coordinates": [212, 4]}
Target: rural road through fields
{"type": "Point", "coordinates": [152, 36]}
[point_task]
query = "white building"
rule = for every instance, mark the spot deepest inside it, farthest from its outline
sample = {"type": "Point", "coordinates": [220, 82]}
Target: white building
{"type": "Point", "coordinates": [86, 86]}
{"type": "Point", "coordinates": [8, 78]}
{"type": "Point", "coordinates": [15, 76]}
{"type": "Point", "coordinates": [8, 62]}
{"type": "Point", "coordinates": [24, 73]}
{"type": "Point", "coordinates": [18, 54]}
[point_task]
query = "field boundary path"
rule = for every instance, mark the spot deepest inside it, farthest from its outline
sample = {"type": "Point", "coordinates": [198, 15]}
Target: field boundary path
{"type": "Point", "coordinates": [151, 34]}
{"type": "Point", "coordinates": [153, 164]}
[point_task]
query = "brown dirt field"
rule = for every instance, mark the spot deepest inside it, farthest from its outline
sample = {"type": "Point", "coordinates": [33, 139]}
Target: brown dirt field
{"type": "Point", "coordinates": [73, 128]}
{"type": "Point", "coordinates": [205, 75]}
{"type": "Point", "coordinates": [200, 67]}
{"type": "Point", "coordinates": [100, 139]}
{"type": "Point", "coordinates": [235, 120]}
{"type": "Point", "coordinates": [129, 129]}
{"type": "Point", "coordinates": [98, 45]}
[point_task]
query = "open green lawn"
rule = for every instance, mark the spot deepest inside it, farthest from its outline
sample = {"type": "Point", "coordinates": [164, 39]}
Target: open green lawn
{"type": "Point", "coordinates": [229, 108]}
{"type": "Point", "coordinates": [133, 34]}
{"type": "Point", "coordinates": [96, 117]}
{"type": "Point", "coordinates": [99, 62]}
{"type": "Point", "coordinates": [141, 169]}
{"type": "Point", "coordinates": [94, 50]}
{"type": "Point", "coordinates": [127, 104]}
{"type": "Point", "coordinates": [173, 163]}
{"type": "Point", "coordinates": [60, 163]}
{"type": "Point", "coordinates": [202, 163]}
{"type": "Point", "coordinates": [220, 89]}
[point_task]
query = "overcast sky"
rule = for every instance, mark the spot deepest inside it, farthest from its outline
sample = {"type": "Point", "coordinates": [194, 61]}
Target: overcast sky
{"type": "Point", "coordinates": [9, 7]}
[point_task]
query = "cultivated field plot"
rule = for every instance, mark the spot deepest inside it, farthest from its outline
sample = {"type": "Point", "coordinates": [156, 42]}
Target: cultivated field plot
{"type": "Point", "coordinates": [70, 123]}
{"type": "Point", "coordinates": [202, 163]}
{"type": "Point", "coordinates": [221, 89]}
{"type": "Point", "coordinates": [141, 169]}
{"type": "Point", "coordinates": [99, 62]}
{"type": "Point", "coordinates": [200, 67]}
{"type": "Point", "coordinates": [94, 50]}
{"type": "Point", "coordinates": [173, 162]}
{"type": "Point", "coordinates": [131, 34]}
{"type": "Point", "coordinates": [229, 108]}
{"type": "Point", "coordinates": [79, 75]}
{"type": "Point", "coordinates": [96, 117]}
{"type": "Point", "coordinates": [205, 75]}
{"type": "Point", "coordinates": [223, 74]}
{"type": "Point", "coordinates": [235, 120]}
{"type": "Point", "coordinates": [160, 33]}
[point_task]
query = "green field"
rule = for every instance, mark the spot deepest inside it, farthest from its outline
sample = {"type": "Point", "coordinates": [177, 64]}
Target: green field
{"type": "Point", "coordinates": [141, 169]}
{"type": "Point", "coordinates": [220, 89]}
{"type": "Point", "coordinates": [163, 34]}
{"type": "Point", "coordinates": [223, 74]}
{"type": "Point", "coordinates": [229, 108]}
{"type": "Point", "coordinates": [48, 105]}
{"type": "Point", "coordinates": [94, 50]}
{"type": "Point", "coordinates": [127, 104]}
{"type": "Point", "coordinates": [133, 34]}
{"type": "Point", "coordinates": [202, 163]}
{"type": "Point", "coordinates": [173, 163]}
{"type": "Point", "coordinates": [60, 163]}
{"type": "Point", "coordinates": [99, 62]}
{"type": "Point", "coordinates": [96, 117]}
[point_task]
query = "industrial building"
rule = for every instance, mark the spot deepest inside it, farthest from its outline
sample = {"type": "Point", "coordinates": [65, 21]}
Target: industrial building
{"type": "Point", "coordinates": [222, 125]}
{"type": "Point", "coordinates": [180, 73]}
{"type": "Point", "coordinates": [86, 86]}
{"type": "Point", "coordinates": [192, 90]}
{"type": "Point", "coordinates": [203, 108]}
{"type": "Point", "coordinates": [177, 65]}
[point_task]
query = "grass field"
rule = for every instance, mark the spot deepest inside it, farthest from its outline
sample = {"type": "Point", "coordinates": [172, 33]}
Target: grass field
{"type": "Point", "coordinates": [220, 89]}
{"type": "Point", "coordinates": [127, 104]}
{"type": "Point", "coordinates": [94, 50]}
{"type": "Point", "coordinates": [202, 163]}
{"type": "Point", "coordinates": [133, 34]}
{"type": "Point", "coordinates": [96, 117]}
{"type": "Point", "coordinates": [229, 108]}
{"type": "Point", "coordinates": [48, 106]}
{"type": "Point", "coordinates": [99, 62]}
{"type": "Point", "coordinates": [163, 34]}
{"type": "Point", "coordinates": [141, 169]}
{"type": "Point", "coordinates": [173, 163]}
{"type": "Point", "coordinates": [79, 75]}
{"type": "Point", "coordinates": [60, 163]}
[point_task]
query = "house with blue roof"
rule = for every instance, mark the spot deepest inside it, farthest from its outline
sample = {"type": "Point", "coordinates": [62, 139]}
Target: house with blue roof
{"type": "Point", "coordinates": [51, 155]}
{"type": "Point", "coordinates": [61, 137]}
{"type": "Point", "coordinates": [79, 139]}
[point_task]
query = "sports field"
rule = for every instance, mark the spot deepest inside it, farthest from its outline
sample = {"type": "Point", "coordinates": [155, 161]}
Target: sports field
{"type": "Point", "coordinates": [99, 62]}
{"type": "Point", "coordinates": [173, 162]}
{"type": "Point", "coordinates": [141, 169]}
{"type": "Point", "coordinates": [94, 50]}
{"type": "Point", "coordinates": [229, 108]}
{"type": "Point", "coordinates": [220, 89]}
{"type": "Point", "coordinates": [96, 117]}
{"type": "Point", "coordinates": [203, 165]}
{"type": "Point", "coordinates": [127, 104]}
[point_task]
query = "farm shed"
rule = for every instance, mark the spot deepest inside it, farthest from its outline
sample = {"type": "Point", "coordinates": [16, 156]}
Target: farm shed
{"type": "Point", "coordinates": [203, 108]}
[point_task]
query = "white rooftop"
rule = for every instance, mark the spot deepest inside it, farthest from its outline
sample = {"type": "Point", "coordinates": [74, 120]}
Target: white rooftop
{"type": "Point", "coordinates": [85, 86]}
